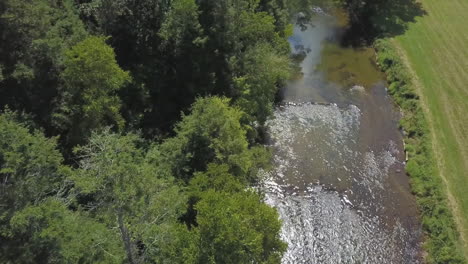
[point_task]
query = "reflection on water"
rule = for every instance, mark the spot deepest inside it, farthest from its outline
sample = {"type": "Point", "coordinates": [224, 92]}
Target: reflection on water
{"type": "Point", "coordinates": [338, 181]}
{"type": "Point", "coordinates": [350, 66]}
{"type": "Point", "coordinates": [321, 227]}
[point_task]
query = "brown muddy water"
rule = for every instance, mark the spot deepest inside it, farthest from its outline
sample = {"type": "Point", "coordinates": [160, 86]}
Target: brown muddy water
{"type": "Point", "coordinates": [339, 183]}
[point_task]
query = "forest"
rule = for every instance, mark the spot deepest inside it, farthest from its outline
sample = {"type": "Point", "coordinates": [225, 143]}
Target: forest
{"type": "Point", "coordinates": [131, 130]}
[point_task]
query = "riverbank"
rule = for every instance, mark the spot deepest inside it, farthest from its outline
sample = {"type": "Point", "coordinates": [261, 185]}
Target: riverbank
{"type": "Point", "coordinates": [442, 238]}
{"type": "Point", "coordinates": [436, 48]}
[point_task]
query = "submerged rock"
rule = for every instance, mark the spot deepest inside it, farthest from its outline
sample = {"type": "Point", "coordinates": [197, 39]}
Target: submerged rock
{"type": "Point", "coordinates": [358, 89]}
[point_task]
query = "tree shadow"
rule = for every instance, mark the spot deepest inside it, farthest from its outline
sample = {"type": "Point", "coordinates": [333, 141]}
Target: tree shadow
{"type": "Point", "coordinates": [380, 18]}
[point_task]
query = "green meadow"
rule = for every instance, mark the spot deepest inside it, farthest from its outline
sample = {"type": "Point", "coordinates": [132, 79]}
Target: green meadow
{"type": "Point", "coordinates": [435, 48]}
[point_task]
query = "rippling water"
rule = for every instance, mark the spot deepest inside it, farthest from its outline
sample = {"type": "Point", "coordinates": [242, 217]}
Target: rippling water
{"type": "Point", "coordinates": [338, 181]}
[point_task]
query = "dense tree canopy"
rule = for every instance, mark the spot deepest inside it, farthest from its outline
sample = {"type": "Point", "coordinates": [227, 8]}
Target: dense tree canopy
{"type": "Point", "coordinates": [237, 228]}
{"type": "Point", "coordinates": [123, 201]}
{"type": "Point", "coordinates": [63, 236]}
{"type": "Point", "coordinates": [125, 191]}
{"type": "Point", "coordinates": [133, 130]}
{"type": "Point", "coordinates": [212, 133]}
{"type": "Point", "coordinates": [34, 36]}
{"type": "Point", "coordinates": [30, 171]}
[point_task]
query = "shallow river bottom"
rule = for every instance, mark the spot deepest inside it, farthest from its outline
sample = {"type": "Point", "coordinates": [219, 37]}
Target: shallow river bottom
{"type": "Point", "coordinates": [339, 183]}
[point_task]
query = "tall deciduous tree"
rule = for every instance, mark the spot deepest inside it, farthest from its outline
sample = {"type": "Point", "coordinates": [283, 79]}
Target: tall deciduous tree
{"type": "Point", "coordinates": [263, 70]}
{"type": "Point", "coordinates": [228, 224]}
{"type": "Point", "coordinates": [212, 133]}
{"type": "Point", "coordinates": [30, 171]}
{"type": "Point", "coordinates": [127, 193]}
{"type": "Point", "coordinates": [89, 98]}
{"type": "Point", "coordinates": [65, 236]}
{"type": "Point", "coordinates": [237, 228]}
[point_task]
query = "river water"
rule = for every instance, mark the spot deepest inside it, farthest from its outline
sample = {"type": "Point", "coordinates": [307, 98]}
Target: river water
{"type": "Point", "coordinates": [339, 183]}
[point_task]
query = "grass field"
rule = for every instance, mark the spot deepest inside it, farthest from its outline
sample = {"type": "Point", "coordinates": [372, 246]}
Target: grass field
{"type": "Point", "coordinates": [436, 50]}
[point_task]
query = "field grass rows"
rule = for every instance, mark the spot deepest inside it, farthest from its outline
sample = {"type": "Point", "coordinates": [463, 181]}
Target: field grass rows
{"type": "Point", "coordinates": [436, 48]}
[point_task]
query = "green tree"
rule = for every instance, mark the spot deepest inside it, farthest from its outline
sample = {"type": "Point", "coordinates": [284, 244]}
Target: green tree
{"type": "Point", "coordinates": [212, 133]}
{"type": "Point", "coordinates": [30, 164]}
{"type": "Point", "coordinates": [181, 29]}
{"type": "Point", "coordinates": [89, 98]}
{"type": "Point", "coordinates": [34, 37]}
{"type": "Point", "coordinates": [237, 228]}
{"type": "Point", "coordinates": [216, 177]}
{"type": "Point", "coordinates": [259, 27]}
{"type": "Point", "coordinates": [185, 200]}
{"type": "Point", "coordinates": [262, 70]}
{"type": "Point", "coordinates": [380, 18]}
{"type": "Point", "coordinates": [280, 10]}
{"type": "Point", "coordinates": [66, 236]}
{"type": "Point", "coordinates": [246, 40]}
{"type": "Point", "coordinates": [30, 171]}
{"type": "Point", "coordinates": [127, 193]}
{"type": "Point", "coordinates": [133, 25]}
{"type": "Point", "coordinates": [181, 55]}
{"type": "Point", "coordinates": [227, 223]}
{"type": "Point", "coordinates": [194, 48]}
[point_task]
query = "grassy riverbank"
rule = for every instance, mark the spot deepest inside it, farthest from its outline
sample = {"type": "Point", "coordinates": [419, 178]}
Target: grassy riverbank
{"type": "Point", "coordinates": [427, 67]}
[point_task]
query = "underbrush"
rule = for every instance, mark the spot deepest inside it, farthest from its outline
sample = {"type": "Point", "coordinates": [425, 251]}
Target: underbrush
{"type": "Point", "coordinates": [441, 236]}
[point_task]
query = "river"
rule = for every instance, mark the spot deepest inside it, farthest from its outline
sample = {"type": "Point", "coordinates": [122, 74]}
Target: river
{"type": "Point", "coordinates": [339, 183]}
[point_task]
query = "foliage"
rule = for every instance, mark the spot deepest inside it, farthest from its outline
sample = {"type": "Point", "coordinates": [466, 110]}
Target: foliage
{"type": "Point", "coordinates": [127, 192]}
{"type": "Point", "coordinates": [67, 64]}
{"type": "Point", "coordinates": [194, 48]}
{"type": "Point", "coordinates": [217, 178]}
{"type": "Point", "coordinates": [30, 165]}
{"type": "Point", "coordinates": [67, 236]}
{"type": "Point", "coordinates": [212, 133]}
{"type": "Point", "coordinates": [121, 198]}
{"type": "Point", "coordinates": [34, 36]}
{"type": "Point", "coordinates": [30, 171]}
{"type": "Point", "coordinates": [280, 10]}
{"type": "Point", "coordinates": [88, 101]}
{"type": "Point", "coordinates": [133, 25]}
{"type": "Point", "coordinates": [237, 228]}
{"type": "Point", "coordinates": [379, 18]}
{"type": "Point", "coordinates": [230, 224]}
{"type": "Point", "coordinates": [263, 70]}
{"type": "Point", "coordinates": [181, 23]}
{"type": "Point", "coordinates": [441, 242]}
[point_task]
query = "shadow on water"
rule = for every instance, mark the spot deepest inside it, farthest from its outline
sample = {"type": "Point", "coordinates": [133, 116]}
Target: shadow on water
{"type": "Point", "coordinates": [380, 18]}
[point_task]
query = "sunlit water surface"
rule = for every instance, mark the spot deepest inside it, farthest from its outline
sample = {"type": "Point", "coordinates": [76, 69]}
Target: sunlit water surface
{"type": "Point", "coordinates": [339, 182]}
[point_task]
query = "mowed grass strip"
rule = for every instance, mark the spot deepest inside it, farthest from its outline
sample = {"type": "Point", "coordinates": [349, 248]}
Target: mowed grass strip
{"type": "Point", "coordinates": [436, 48]}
